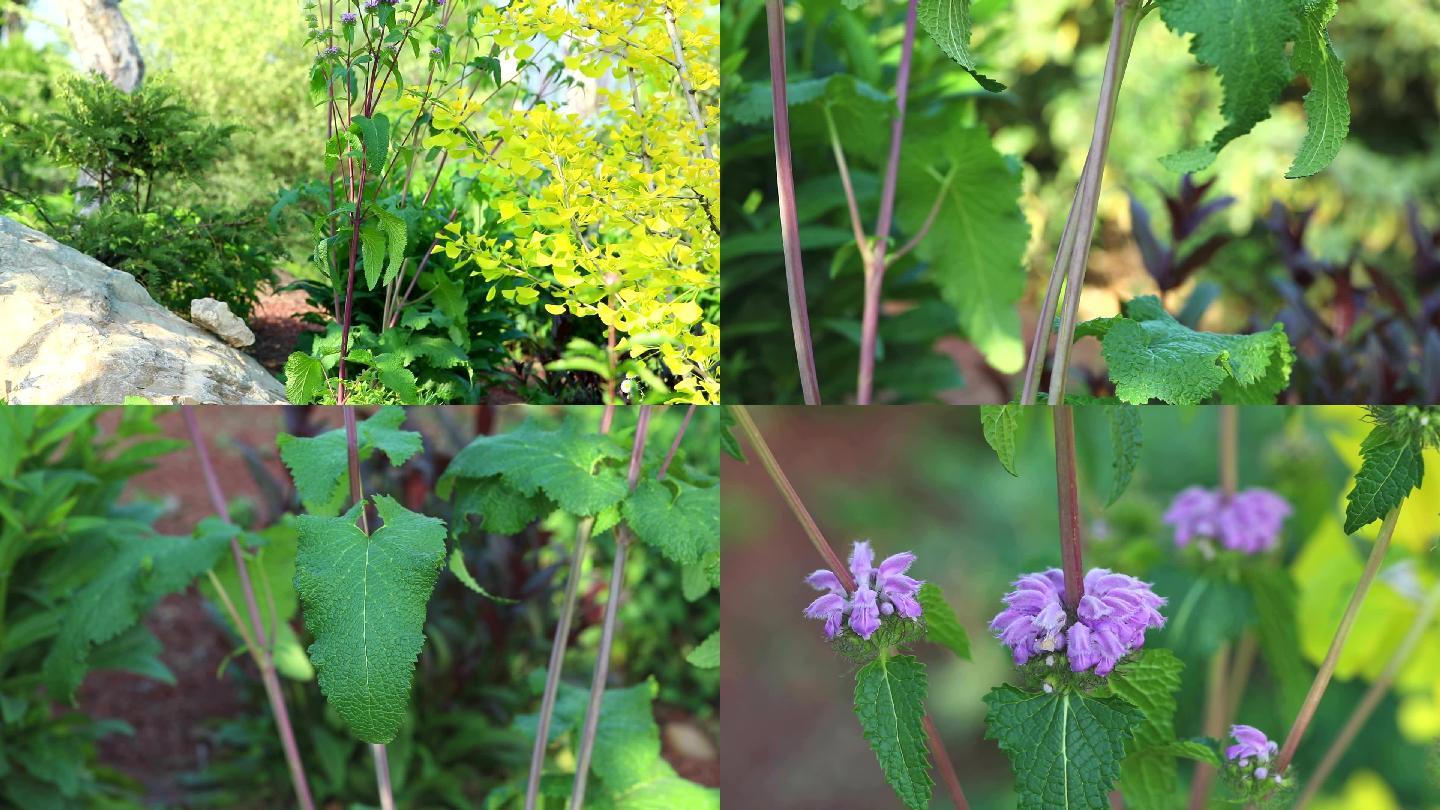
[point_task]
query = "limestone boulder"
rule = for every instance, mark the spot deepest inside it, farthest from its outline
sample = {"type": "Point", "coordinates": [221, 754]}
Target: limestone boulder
{"type": "Point", "coordinates": [74, 331]}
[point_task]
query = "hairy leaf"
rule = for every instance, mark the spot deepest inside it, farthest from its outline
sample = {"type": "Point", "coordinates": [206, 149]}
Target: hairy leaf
{"type": "Point", "coordinates": [941, 624]}
{"type": "Point", "coordinates": [999, 424]}
{"type": "Point", "coordinates": [977, 244]}
{"type": "Point", "coordinates": [1390, 468]}
{"type": "Point", "coordinates": [364, 601]}
{"type": "Point", "coordinates": [320, 464]}
{"type": "Point", "coordinates": [1149, 777]}
{"type": "Point", "coordinates": [948, 22]}
{"type": "Point", "coordinates": [566, 463]}
{"type": "Point", "coordinates": [1327, 105]}
{"type": "Point", "coordinates": [1153, 356]}
{"type": "Point", "coordinates": [1065, 747]}
{"type": "Point", "coordinates": [890, 704]}
{"type": "Point", "coordinates": [304, 379]}
{"type": "Point", "coordinates": [1126, 442]}
{"type": "Point", "coordinates": [372, 253]}
{"type": "Point", "coordinates": [707, 655]}
{"type": "Point", "coordinates": [501, 508]}
{"type": "Point", "coordinates": [680, 519]}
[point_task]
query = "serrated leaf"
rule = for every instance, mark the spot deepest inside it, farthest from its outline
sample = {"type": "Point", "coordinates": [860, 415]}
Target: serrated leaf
{"type": "Point", "coordinates": [683, 524]}
{"type": "Point", "coordinates": [977, 247]}
{"type": "Point", "coordinates": [364, 601]}
{"type": "Point", "coordinates": [890, 704]}
{"type": "Point", "coordinates": [948, 23]}
{"type": "Point", "coordinates": [375, 133]}
{"type": "Point", "coordinates": [696, 579]}
{"type": "Point", "coordinates": [999, 423]}
{"type": "Point", "coordinates": [304, 379]}
{"type": "Point", "coordinates": [707, 654]}
{"type": "Point", "coordinates": [1149, 777]}
{"type": "Point", "coordinates": [457, 567]}
{"type": "Point", "coordinates": [1065, 747]}
{"type": "Point", "coordinates": [1246, 42]}
{"type": "Point", "coordinates": [395, 241]}
{"type": "Point", "coordinates": [941, 624]}
{"type": "Point", "coordinates": [320, 464]}
{"type": "Point", "coordinates": [1390, 467]}
{"type": "Point", "coordinates": [501, 508]}
{"type": "Point", "coordinates": [394, 376]}
{"type": "Point", "coordinates": [566, 463]}
{"type": "Point", "coordinates": [627, 739]}
{"type": "Point", "coordinates": [1126, 442]}
{"type": "Point", "coordinates": [143, 570]}
{"type": "Point", "coordinates": [1152, 356]}
{"type": "Point", "coordinates": [1327, 104]}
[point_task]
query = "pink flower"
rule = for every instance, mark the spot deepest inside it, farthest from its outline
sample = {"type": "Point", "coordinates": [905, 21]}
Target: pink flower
{"type": "Point", "coordinates": [1251, 521]}
{"type": "Point", "coordinates": [879, 591]}
{"type": "Point", "coordinates": [1110, 621]}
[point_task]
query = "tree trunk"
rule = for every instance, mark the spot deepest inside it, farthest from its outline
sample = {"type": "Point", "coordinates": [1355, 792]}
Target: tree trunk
{"type": "Point", "coordinates": [104, 42]}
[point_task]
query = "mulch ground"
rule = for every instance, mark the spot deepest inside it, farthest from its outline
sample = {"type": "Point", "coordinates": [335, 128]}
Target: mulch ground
{"type": "Point", "coordinates": [277, 326]}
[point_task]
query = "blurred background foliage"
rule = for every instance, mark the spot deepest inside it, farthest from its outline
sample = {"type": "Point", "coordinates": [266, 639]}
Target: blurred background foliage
{"type": "Point", "coordinates": [923, 480]}
{"type": "Point", "coordinates": [1050, 54]}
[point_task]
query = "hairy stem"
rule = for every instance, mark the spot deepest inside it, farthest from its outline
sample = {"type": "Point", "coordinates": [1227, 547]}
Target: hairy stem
{"type": "Point", "coordinates": [832, 560]}
{"type": "Point", "coordinates": [1361, 714]}
{"type": "Point", "coordinates": [1327, 667]}
{"type": "Point", "coordinates": [1081, 220]}
{"type": "Point", "coordinates": [675, 445]}
{"type": "Point", "coordinates": [558, 645]}
{"type": "Point", "coordinates": [607, 631]}
{"type": "Point", "coordinates": [260, 647]}
{"type": "Point", "coordinates": [789, 219]}
{"type": "Point", "coordinates": [1040, 343]}
{"type": "Point", "coordinates": [1068, 491]}
{"type": "Point", "coordinates": [767, 459]}
{"type": "Point", "coordinates": [875, 270]}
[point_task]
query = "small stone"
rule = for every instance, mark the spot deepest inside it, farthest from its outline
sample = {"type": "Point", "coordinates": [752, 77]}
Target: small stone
{"type": "Point", "coordinates": [216, 317]}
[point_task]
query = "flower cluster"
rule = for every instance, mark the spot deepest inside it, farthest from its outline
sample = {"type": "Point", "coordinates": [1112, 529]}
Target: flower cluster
{"type": "Point", "coordinates": [1252, 752]}
{"type": "Point", "coordinates": [1249, 521]}
{"type": "Point", "coordinates": [1110, 622]}
{"type": "Point", "coordinates": [331, 51]}
{"type": "Point", "coordinates": [879, 591]}
{"type": "Point", "coordinates": [349, 18]}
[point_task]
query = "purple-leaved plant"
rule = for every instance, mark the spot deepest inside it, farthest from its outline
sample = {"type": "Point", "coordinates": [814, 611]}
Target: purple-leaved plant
{"type": "Point", "coordinates": [1109, 623]}
{"type": "Point", "coordinates": [1248, 522]}
{"type": "Point", "coordinates": [882, 590]}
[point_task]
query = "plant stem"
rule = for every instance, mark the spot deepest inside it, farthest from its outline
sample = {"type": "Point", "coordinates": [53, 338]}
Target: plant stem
{"type": "Point", "coordinates": [1040, 344]}
{"type": "Point", "coordinates": [1081, 219]}
{"type": "Point", "coordinates": [789, 219]}
{"type": "Point", "coordinates": [1068, 490]}
{"type": "Point", "coordinates": [689, 89]}
{"type": "Point", "coordinates": [607, 631]}
{"type": "Point", "coordinates": [856, 226]}
{"type": "Point", "coordinates": [832, 560]}
{"type": "Point", "coordinates": [1229, 451]}
{"type": "Point", "coordinates": [261, 648]}
{"type": "Point", "coordinates": [382, 776]}
{"type": "Point", "coordinates": [675, 445]}
{"type": "Point", "coordinates": [875, 270]}
{"type": "Point", "coordinates": [350, 284]}
{"type": "Point", "coordinates": [1372, 697]}
{"type": "Point", "coordinates": [1216, 698]}
{"type": "Point", "coordinates": [767, 459]}
{"type": "Point", "coordinates": [558, 645]}
{"type": "Point", "coordinates": [1327, 667]}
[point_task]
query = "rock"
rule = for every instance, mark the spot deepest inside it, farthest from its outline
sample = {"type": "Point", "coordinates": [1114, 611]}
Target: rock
{"type": "Point", "coordinates": [215, 316]}
{"type": "Point", "coordinates": [74, 331]}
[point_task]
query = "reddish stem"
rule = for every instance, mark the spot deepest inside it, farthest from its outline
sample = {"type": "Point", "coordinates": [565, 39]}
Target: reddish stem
{"type": "Point", "coordinates": [1068, 489]}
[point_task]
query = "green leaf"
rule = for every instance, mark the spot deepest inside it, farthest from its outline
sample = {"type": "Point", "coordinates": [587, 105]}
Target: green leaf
{"type": "Point", "coordinates": [372, 250]}
{"type": "Point", "coordinates": [1126, 442]}
{"type": "Point", "coordinates": [143, 570]}
{"type": "Point", "coordinates": [707, 655]}
{"type": "Point", "coordinates": [501, 508]}
{"type": "Point", "coordinates": [1327, 105]}
{"type": "Point", "coordinates": [681, 520]}
{"type": "Point", "coordinates": [304, 379]}
{"type": "Point", "coordinates": [375, 132]}
{"type": "Point", "coordinates": [320, 464]}
{"type": "Point", "coordinates": [1153, 356]}
{"type": "Point", "coordinates": [1245, 41]}
{"type": "Point", "coordinates": [457, 567]}
{"type": "Point", "coordinates": [948, 22]}
{"type": "Point", "coordinates": [397, 378]}
{"type": "Point", "coordinates": [697, 579]}
{"type": "Point", "coordinates": [364, 601]}
{"type": "Point", "coordinates": [999, 423]}
{"type": "Point", "coordinates": [627, 739]}
{"type": "Point", "coordinates": [568, 464]}
{"type": "Point", "coordinates": [1390, 467]}
{"type": "Point", "coordinates": [941, 624]}
{"type": "Point", "coordinates": [1275, 628]}
{"type": "Point", "coordinates": [890, 704]}
{"type": "Point", "coordinates": [395, 241]}
{"type": "Point", "coordinates": [1065, 747]}
{"type": "Point", "coordinates": [1149, 777]}
{"type": "Point", "coordinates": [977, 246]}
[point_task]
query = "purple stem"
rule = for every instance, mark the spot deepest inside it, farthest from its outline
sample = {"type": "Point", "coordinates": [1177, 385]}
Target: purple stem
{"type": "Point", "coordinates": [1068, 489]}
{"type": "Point", "coordinates": [789, 219]}
{"type": "Point", "coordinates": [875, 275]}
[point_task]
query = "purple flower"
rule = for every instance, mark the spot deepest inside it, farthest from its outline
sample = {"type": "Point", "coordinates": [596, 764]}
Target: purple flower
{"type": "Point", "coordinates": [435, 51]}
{"type": "Point", "coordinates": [1251, 744]}
{"type": "Point", "coordinates": [371, 4]}
{"type": "Point", "coordinates": [1111, 620]}
{"type": "Point", "coordinates": [1250, 521]}
{"type": "Point", "coordinates": [439, 2]}
{"type": "Point", "coordinates": [882, 591]}
{"type": "Point", "coordinates": [349, 18]}
{"type": "Point", "coordinates": [331, 51]}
